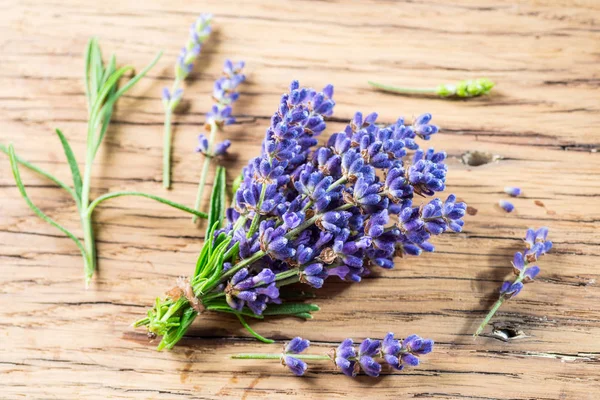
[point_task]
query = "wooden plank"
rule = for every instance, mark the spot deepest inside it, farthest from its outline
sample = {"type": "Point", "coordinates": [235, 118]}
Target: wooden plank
{"type": "Point", "coordinates": [61, 341]}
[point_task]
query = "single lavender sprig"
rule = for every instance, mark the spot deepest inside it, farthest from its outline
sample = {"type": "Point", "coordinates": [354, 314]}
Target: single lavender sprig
{"type": "Point", "coordinates": [536, 246]}
{"type": "Point", "coordinates": [225, 94]}
{"type": "Point", "coordinates": [199, 32]}
{"type": "Point", "coordinates": [462, 89]}
{"type": "Point", "coordinates": [369, 357]}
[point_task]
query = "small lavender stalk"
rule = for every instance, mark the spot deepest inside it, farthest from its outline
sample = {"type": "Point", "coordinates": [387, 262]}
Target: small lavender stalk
{"type": "Point", "coordinates": [537, 245]}
{"type": "Point", "coordinates": [199, 32]}
{"type": "Point", "coordinates": [396, 353]}
{"type": "Point", "coordinates": [465, 88]}
{"type": "Point", "coordinates": [225, 94]}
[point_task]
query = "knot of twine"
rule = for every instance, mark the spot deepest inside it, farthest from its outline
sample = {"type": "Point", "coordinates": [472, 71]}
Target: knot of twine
{"type": "Point", "coordinates": [184, 289]}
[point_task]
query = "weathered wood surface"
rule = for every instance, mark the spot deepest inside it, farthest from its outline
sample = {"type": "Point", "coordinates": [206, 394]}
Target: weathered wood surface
{"type": "Point", "coordinates": [61, 341]}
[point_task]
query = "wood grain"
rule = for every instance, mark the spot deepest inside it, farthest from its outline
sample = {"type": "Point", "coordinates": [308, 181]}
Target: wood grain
{"type": "Point", "coordinates": [61, 341]}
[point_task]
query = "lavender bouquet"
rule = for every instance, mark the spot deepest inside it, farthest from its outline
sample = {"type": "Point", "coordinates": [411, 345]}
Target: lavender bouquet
{"type": "Point", "coordinates": [305, 213]}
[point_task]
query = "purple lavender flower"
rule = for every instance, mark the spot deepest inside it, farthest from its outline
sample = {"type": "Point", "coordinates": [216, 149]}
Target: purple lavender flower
{"type": "Point", "coordinates": [253, 291]}
{"type": "Point", "coordinates": [274, 243]}
{"type": "Point", "coordinates": [512, 191]}
{"type": "Point", "coordinates": [422, 128]}
{"type": "Point", "coordinates": [366, 351]}
{"type": "Point", "coordinates": [199, 32]}
{"type": "Point", "coordinates": [202, 144]}
{"type": "Point", "coordinates": [314, 275]}
{"type": "Point", "coordinates": [536, 245]}
{"type": "Point", "coordinates": [345, 358]}
{"type": "Point", "coordinates": [295, 346]}
{"type": "Point", "coordinates": [506, 205]}
{"type": "Point", "coordinates": [221, 148]}
{"type": "Point", "coordinates": [428, 172]}
{"type": "Point", "coordinates": [225, 93]}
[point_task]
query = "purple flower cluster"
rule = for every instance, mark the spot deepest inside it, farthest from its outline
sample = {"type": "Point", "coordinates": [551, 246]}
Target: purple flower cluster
{"type": "Point", "coordinates": [295, 346]}
{"type": "Point", "coordinates": [312, 212]}
{"type": "Point", "coordinates": [536, 245]}
{"type": "Point", "coordinates": [396, 353]}
{"type": "Point", "coordinates": [224, 93]}
{"type": "Point", "coordinates": [368, 358]}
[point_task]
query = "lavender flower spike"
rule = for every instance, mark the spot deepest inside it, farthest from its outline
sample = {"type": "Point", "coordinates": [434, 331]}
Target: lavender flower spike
{"type": "Point", "coordinates": [536, 246]}
{"type": "Point", "coordinates": [369, 357]}
{"type": "Point", "coordinates": [225, 93]}
{"type": "Point", "coordinates": [199, 32]}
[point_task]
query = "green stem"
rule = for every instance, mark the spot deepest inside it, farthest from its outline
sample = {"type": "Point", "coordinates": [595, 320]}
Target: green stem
{"type": "Point", "coordinates": [150, 196]}
{"type": "Point", "coordinates": [396, 89]}
{"type": "Point", "coordinates": [487, 319]}
{"type": "Point", "coordinates": [287, 274]}
{"type": "Point", "coordinates": [90, 247]}
{"type": "Point", "coordinates": [167, 149]}
{"type": "Point", "coordinates": [288, 281]}
{"type": "Point", "coordinates": [271, 356]}
{"type": "Point", "coordinates": [497, 304]}
{"type": "Point", "coordinates": [205, 167]}
{"type": "Point", "coordinates": [238, 266]}
{"type": "Point", "coordinates": [256, 217]}
{"type": "Point", "coordinates": [167, 139]}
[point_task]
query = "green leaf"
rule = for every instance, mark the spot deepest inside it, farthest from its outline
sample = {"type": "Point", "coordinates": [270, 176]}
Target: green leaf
{"type": "Point", "coordinates": [15, 170]}
{"type": "Point", "coordinates": [178, 206]}
{"type": "Point", "coordinates": [224, 307]}
{"type": "Point", "coordinates": [107, 110]}
{"type": "Point", "coordinates": [203, 257]}
{"type": "Point", "coordinates": [217, 202]}
{"type": "Point", "coordinates": [290, 309]}
{"type": "Point", "coordinates": [252, 331]}
{"type": "Point", "coordinates": [89, 91]}
{"type": "Point", "coordinates": [45, 174]}
{"type": "Point", "coordinates": [304, 315]}
{"type": "Point", "coordinates": [72, 163]}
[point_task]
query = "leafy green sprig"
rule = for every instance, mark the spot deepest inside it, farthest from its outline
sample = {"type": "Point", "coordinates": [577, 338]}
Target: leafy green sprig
{"type": "Point", "coordinates": [102, 92]}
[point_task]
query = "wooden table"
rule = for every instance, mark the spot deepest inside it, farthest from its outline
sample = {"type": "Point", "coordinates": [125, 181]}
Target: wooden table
{"type": "Point", "coordinates": [59, 340]}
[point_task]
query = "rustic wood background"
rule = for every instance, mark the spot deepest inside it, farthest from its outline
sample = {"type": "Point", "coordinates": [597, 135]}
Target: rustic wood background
{"type": "Point", "coordinates": [62, 341]}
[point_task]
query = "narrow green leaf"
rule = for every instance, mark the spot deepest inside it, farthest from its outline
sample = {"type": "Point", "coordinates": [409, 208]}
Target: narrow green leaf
{"type": "Point", "coordinates": [98, 66]}
{"type": "Point", "coordinates": [290, 308]}
{"type": "Point", "coordinates": [15, 170]}
{"type": "Point", "coordinates": [217, 204]}
{"type": "Point", "coordinates": [226, 309]}
{"type": "Point", "coordinates": [45, 174]}
{"type": "Point", "coordinates": [304, 315]}
{"type": "Point", "coordinates": [72, 163]}
{"type": "Point", "coordinates": [223, 195]}
{"type": "Point", "coordinates": [215, 261]}
{"type": "Point", "coordinates": [89, 93]}
{"type": "Point", "coordinates": [252, 331]}
{"type": "Point", "coordinates": [149, 196]}
{"type": "Point", "coordinates": [107, 110]}
{"type": "Point", "coordinates": [139, 76]}
{"type": "Point", "coordinates": [203, 257]}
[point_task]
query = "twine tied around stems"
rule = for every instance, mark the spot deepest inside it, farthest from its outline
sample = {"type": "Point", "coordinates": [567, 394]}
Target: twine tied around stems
{"type": "Point", "coordinates": [184, 289]}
